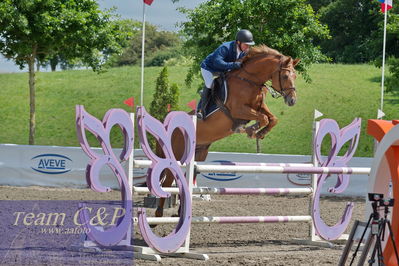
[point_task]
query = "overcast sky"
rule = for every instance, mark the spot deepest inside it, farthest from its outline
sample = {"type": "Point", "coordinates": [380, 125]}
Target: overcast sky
{"type": "Point", "coordinates": [162, 13]}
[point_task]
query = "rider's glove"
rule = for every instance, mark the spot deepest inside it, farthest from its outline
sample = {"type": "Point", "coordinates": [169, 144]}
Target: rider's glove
{"type": "Point", "coordinates": [237, 65]}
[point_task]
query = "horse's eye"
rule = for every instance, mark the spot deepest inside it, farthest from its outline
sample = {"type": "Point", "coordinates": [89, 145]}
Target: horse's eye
{"type": "Point", "coordinates": [285, 76]}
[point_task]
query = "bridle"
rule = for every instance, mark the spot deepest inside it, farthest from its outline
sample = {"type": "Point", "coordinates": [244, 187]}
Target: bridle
{"type": "Point", "coordinates": [283, 92]}
{"type": "Point", "coordinates": [275, 93]}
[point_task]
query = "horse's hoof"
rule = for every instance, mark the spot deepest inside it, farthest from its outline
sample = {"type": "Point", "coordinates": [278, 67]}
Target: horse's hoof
{"type": "Point", "coordinates": [260, 136]}
{"type": "Point", "coordinates": [250, 133]}
{"type": "Point", "coordinates": [240, 130]}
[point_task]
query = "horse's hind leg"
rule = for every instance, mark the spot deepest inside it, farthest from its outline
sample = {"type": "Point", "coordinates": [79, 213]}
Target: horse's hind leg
{"type": "Point", "coordinates": [251, 130]}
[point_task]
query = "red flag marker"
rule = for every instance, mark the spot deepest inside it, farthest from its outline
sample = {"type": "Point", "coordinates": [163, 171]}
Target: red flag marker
{"type": "Point", "coordinates": [148, 2]}
{"type": "Point", "coordinates": [192, 104]}
{"type": "Point", "coordinates": [387, 6]}
{"type": "Point", "coordinates": [129, 102]}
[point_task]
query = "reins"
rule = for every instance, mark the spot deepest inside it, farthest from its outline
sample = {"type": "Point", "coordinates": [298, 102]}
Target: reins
{"type": "Point", "coordinates": [275, 93]}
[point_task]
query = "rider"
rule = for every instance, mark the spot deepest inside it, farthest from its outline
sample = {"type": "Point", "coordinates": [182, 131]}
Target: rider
{"type": "Point", "coordinates": [221, 60]}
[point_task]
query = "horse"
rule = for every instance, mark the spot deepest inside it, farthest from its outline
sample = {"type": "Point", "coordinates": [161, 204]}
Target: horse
{"type": "Point", "coordinates": [244, 103]}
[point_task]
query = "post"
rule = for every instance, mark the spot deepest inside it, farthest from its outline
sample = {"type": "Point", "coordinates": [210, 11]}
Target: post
{"type": "Point", "coordinates": [383, 56]}
{"type": "Point", "coordinates": [316, 125]}
{"type": "Point", "coordinates": [142, 58]}
{"type": "Point", "coordinates": [127, 241]}
{"type": "Point", "coordinates": [190, 182]}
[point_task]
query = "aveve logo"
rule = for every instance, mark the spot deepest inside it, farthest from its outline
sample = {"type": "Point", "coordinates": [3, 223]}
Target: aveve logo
{"type": "Point", "coordinates": [51, 164]}
{"type": "Point", "coordinates": [222, 176]}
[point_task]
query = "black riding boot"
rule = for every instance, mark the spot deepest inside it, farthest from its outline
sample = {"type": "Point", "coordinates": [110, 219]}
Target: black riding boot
{"type": "Point", "coordinates": [204, 103]}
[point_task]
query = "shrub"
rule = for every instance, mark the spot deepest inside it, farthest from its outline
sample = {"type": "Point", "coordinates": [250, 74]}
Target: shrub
{"type": "Point", "coordinates": [392, 82]}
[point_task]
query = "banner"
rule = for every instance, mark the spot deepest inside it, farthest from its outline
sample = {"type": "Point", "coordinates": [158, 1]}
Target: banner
{"type": "Point", "coordinates": [52, 166]}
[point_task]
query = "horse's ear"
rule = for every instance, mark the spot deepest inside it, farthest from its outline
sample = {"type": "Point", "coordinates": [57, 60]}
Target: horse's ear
{"type": "Point", "coordinates": [287, 61]}
{"type": "Point", "coordinates": [296, 61]}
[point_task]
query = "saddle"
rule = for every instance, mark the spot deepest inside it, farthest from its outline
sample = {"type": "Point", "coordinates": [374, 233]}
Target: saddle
{"type": "Point", "coordinates": [218, 95]}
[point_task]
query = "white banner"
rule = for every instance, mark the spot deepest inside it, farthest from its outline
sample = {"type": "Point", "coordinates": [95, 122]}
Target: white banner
{"type": "Point", "coordinates": [52, 166]}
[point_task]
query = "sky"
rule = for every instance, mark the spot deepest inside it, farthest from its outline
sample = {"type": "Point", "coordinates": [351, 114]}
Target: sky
{"type": "Point", "coordinates": [162, 13]}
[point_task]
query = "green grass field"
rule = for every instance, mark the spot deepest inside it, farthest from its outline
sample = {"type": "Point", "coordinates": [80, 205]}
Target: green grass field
{"type": "Point", "coordinates": [341, 92]}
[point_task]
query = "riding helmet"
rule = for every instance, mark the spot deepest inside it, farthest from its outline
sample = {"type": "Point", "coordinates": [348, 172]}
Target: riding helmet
{"type": "Point", "coordinates": [245, 36]}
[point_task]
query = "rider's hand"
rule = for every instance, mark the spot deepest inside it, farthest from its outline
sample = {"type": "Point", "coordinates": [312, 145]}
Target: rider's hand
{"type": "Point", "coordinates": [237, 65]}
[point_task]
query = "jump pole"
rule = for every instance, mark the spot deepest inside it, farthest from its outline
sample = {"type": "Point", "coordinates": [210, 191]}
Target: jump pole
{"type": "Point", "coordinates": [233, 191]}
{"type": "Point", "coordinates": [282, 169]}
{"type": "Point", "coordinates": [230, 219]}
{"type": "Point", "coordinates": [268, 168]}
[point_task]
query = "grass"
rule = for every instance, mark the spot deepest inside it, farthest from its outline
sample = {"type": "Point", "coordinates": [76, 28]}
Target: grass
{"type": "Point", "coordinates": [341, 92]}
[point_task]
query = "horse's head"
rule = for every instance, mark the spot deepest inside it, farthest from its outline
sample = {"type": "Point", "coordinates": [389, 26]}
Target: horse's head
{"type": "Point", "coordinates": [283, 79]}
{"type": "Point", "coordinates": [263, 63]}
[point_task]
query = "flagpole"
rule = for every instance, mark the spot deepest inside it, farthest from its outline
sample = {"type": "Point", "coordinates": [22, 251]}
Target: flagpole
{"type": "Point", "coordinates": [142, 58]}
{"type": "Point", "coordinates": [383, 55]}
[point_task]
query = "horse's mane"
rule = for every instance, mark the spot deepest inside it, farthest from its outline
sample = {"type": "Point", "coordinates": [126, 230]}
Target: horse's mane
{"type": "Point", "coordinates": [260, 49]}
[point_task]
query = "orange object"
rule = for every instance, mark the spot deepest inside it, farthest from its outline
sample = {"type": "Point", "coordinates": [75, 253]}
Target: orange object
{"type": "Point", "coordinates": [379, 129]}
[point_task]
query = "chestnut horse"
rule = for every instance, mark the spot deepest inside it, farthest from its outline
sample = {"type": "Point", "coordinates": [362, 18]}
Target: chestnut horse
{"type": "Point", "coordinates": [245, 102]}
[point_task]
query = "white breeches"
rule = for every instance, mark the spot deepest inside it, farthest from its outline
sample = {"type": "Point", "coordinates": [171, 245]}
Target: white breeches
{"type": "Point", "coordinates": [208, 77]}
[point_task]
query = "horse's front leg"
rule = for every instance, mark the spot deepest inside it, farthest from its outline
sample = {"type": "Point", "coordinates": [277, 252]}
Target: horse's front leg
{"type": "Point", "coordinates": [248, 113]}
{"type": "Point", "coordinates": [272, 122]}
{"type": "Point", "coordinates": [251, 130]}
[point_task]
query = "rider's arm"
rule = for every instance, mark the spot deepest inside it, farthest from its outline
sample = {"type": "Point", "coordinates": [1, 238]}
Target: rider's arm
{"type": "Point", "coordinates": [219, 59]}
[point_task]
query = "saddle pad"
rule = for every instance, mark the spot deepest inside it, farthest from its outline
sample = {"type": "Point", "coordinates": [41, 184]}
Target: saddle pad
{"type": "Point", "coordinates": [220, 92]}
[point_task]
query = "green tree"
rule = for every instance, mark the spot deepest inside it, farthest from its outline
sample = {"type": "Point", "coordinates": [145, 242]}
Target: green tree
{"type": "Point", "coordinates": [164, 95]}
{"type": "Point", "coordinates": [318, 4]}
{"type": "Point", "coordinates": [355, 27]}
{"type": "Point", "coordinates": [31, 29]}
{"type": "Point", "coordinates": [289, 26]}
{"type": "Point", "coordinates": [393, 39]}
{"type": "Point", "coordinates": [156, 42]}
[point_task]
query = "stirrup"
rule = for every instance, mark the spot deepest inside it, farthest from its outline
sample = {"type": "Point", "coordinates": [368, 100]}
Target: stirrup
{"type": "Point", "coordinates": [200, 116]}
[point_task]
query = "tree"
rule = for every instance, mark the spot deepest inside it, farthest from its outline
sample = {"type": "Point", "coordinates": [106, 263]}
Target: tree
{"type": "Point", "coordinates": [164, 96]}
{"type": "Point", "coordinates": [393, 38]}
{"type": "Point", "coordinates": [318, 4]}
{"type": "Point", "coordinates": [289, 26]}
{"type": "Point", "coordinates": [31, 29]}
{"type": "Point", "coordinates": [156, 41]}
{"type": "Point", "coordinates": [355, 27]}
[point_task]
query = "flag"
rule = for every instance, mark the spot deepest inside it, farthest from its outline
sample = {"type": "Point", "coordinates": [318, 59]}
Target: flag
{"type": "Point", "coordinates": [388, 3]}
{"type": "Point", "coordinates": [317, 114]}
{"type": "Point", "coordinates": [192, 104]}
{"type": "Point", "coordinates": [129, 102]}
{"type": "Point", "coordinates": [380, 114]}
{"type": "Point", "coordinates": [148, 2]}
